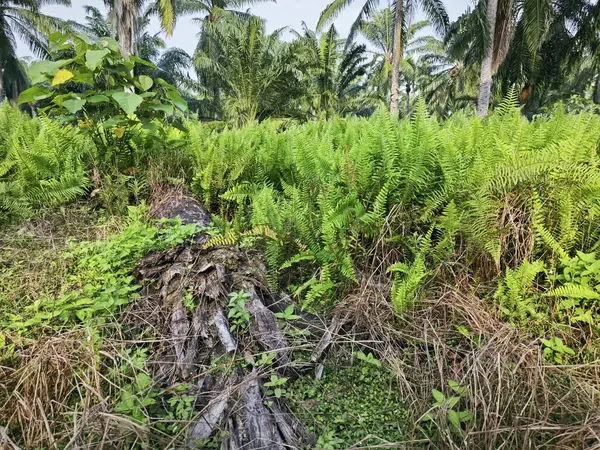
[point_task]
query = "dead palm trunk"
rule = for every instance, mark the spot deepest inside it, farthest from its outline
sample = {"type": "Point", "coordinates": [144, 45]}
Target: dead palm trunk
{"type": "Point", "coordinates": [396, 57]}
{"type": "Point", "coordinates": [485, 84]}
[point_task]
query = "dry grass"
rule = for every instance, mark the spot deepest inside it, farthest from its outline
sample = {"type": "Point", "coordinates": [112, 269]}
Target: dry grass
{"type": "Point", "coordinates": [60, 392]}
{"type": "Point", "coordinates": [53, 374]}
{"type": "Point", "coordinates": [517, 399]}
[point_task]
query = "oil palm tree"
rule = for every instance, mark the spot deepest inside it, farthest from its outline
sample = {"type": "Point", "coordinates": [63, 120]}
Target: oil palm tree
{"type": "Point", "coordinates": [23, 19]}
{"type": "Point", "coordinates": [251, 73]}
{"type": "Point", "coordinates": [211, 9]}
{"type": "Point", "coordinates": [333, 74]}
{"type": "Point", "coordinates": [434, 11]}
{"type": "Point", "coordinates": [445, 82]}
{"type": "Point", "coordinates": [485, 83]}
{"type": "Point", "coordinates": [521, 42]}
{"type": "Point", "coordinates": [206, 14]}
{"type": "Point", "coordinates": [124, 16]}
{"type": "Point", "coordinates": [379, 32]}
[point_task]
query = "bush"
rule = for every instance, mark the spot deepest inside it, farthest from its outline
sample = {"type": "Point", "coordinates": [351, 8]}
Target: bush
{"type": "Point", "coordinates": [41, 163]}
{"type": "Point", "coordinates": [495, 193]}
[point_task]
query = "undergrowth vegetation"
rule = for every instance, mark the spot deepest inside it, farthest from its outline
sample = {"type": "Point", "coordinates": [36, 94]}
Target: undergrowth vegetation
{"type": "Point", "coordinates": [484, 198]}
{"type": "Point", "coordinates": [462, 257]}
{"type": "Point", "coordinates": [41, 163]}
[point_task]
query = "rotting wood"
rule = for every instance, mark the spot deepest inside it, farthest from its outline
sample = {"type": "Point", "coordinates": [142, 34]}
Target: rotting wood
{"type": "Point", "coordinates": [232, 402]}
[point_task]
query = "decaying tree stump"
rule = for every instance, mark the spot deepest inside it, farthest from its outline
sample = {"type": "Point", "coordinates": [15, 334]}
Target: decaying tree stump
{"type": "Point", "coordinates": [191, 284]}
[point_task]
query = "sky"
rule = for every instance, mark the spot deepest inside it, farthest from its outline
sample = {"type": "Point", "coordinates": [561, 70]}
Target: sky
{"type": "Point", "coordinates": [290, 13]}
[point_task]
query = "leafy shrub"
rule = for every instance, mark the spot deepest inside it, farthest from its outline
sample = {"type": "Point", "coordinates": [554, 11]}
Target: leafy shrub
{"type": "Point", "coordinates": [96, 89]}
{"type": "Point", "coordinates": [360, 403]}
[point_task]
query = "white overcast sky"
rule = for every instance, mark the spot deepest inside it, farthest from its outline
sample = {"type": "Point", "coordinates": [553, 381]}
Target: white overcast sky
{"type": "Point", "coordinates": [290, 13]}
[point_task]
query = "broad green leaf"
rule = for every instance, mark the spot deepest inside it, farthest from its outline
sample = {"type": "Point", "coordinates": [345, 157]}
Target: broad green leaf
{"type": "Point", "coordinates": [59, 99]}
{"type": "Point", "coordinates": [33, 94]}
{"type": "Point", "coordinates": [58, 41]}
{"type": "Point", "coordinates": [128, 101]}
{"type": "Point", "coordinates": [139, 60]}
{"type": "Point", "coordinates": [40, 71]}
{"type": "Point", "coordinates": [427, 417]}
{"type": "Point", "coordinates": [452, 401]}
{"type": "Point", "coordinates": [145, 82]}
{"type": "Point", "coordinates": [465, 416]}
{"type": "Point", "coordinates": [74, 105]}
{"type": "Point", "coordinates": [177, 100]}
{"type": "Point", "coordinates": [83, 77]}
{"type": "Point", "coordinates": [161, 107]}
{"type": "Point", "coordinates": [453, 418]}
{"type": "Point", "coordinates": [62, 76]}
{"type": "Point", "coordinates": [179, 126]}
{"type": "Point", "coordinates": [98, 99]}
{"type": "Point", "coordinates": [149, 125]}
{"type": "Point", "coordinates": [93, 58]}
{"type": "Point", "coordinates": [438, 396]}
{"type": "Point", "coordinates": [110, 43]}
{"type": "Point", "coordinates": [112, 122]}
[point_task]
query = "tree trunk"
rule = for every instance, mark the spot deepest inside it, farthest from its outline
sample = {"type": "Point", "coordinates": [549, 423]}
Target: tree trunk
{"type": "Point", "coordinates": [597, 90]}
{"type": "Point", "coordinates": [125, 21]}
{"type": "Point", "coordinates": [408, 90]}
{"type": "Point", "coordinates": [485, 84]}
{"type": "Point", "coordinates": [396, 57]}
{"type": "Point", "coordinates": [2, 93]}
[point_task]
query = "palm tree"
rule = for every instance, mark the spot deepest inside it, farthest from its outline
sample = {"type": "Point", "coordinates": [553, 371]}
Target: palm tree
{"type": "Point", "coordinates": [212, 9]}
{"type": "Point", "coordinates": [173, 66]}
{"type": "Point", "coordinates": [526, 43]}
{"type": "Point", "coordinates": [333, 75]}
{"type": "Point", "coordinates": [207, 14]}
{"type": "Point", "coordinates": [445, 81]}
{"type": "Point", "coordinates": [379, 33]}
{"type": "Point", "coordinates": [485, 83]}
{"type": "Point", "coordinates": [250, 72]}
{"type": "Point", "coordinates": [434, 10]}
{"type": "Point", "coordinates": [23, 19]}
{"type": "Point", "coordinates": [124, 15]}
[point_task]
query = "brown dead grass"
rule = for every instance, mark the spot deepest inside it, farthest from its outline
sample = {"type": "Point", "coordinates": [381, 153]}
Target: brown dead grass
{"type": "Point", "coordinates": [518, 400]}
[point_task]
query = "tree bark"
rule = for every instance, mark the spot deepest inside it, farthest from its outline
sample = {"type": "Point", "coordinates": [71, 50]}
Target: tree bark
{"type": "Point", "coordinates": [125, 21]}
{"type": "Point", "coordinates": [597, 90]}
{"type": "Point", "coordinates": [485, 84]}
{"type": "Point", "coordinates": [396, 58]}
{"type": "Point", "coordinates": [408, 90]}
{"type": "Point", "coordinates": [233, 402]}
{"type": "Point", "coordinates": [2, 93]}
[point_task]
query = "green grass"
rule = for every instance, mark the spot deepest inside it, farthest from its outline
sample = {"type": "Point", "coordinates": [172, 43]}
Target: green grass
{"type": "Point", "coordinates": [32, 262]}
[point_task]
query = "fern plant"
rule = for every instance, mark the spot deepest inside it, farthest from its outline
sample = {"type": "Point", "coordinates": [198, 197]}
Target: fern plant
{"type": "Point", "coordinates": [515, 293]}
{"type": "Point", "coordinates": [41, 163]}
{"type": "Point", "coordinates": [494, 193]}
